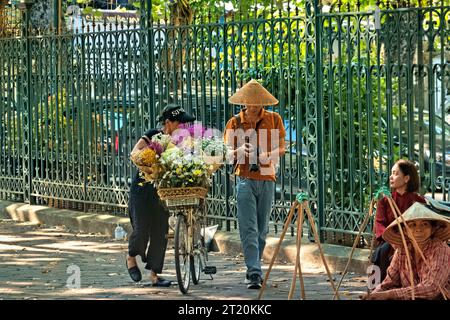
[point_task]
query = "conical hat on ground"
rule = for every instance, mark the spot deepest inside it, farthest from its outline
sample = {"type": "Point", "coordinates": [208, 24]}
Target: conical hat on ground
{"type": "Point", "coordinates": [418, 211]}
{"type": "Point", "coordinates": [253, 94]}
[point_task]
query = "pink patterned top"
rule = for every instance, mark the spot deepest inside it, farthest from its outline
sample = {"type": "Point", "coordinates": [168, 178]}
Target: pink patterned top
{"type": "Point", "coordinates": [426, 280]}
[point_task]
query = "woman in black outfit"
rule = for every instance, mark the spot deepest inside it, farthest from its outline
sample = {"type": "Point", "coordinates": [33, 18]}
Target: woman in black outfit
{"type": "Point", "coordinates": [149, 218]}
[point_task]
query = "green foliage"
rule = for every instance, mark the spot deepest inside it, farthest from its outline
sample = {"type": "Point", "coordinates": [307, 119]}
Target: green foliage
{"type": "Point", "coordinates": [215, 9]}
{"type": "Point", "coordinates": [244, 8]}
{"type": "Point", "coordinates": [11, 123]}
{"type": "Point", "coordinates": [53, 126]}
{"type": "Point", "coordinates": [88, 9]}
{"type": "Point", "coordinates": [365, 5]}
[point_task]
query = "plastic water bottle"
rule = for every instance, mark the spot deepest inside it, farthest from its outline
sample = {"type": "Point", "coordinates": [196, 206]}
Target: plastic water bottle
{"type": "Point", "coordinates": [119, 233]}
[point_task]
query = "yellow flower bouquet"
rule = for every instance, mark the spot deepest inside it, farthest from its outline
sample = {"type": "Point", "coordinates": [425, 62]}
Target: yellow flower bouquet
{"type": "Point", "coordinates": [147, 159]}
{"type": "Point", "coordinates": [181, 166]}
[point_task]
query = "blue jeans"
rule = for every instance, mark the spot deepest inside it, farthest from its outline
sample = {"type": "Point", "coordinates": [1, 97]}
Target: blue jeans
{"type": "Point", "coordinates": [254, 203]}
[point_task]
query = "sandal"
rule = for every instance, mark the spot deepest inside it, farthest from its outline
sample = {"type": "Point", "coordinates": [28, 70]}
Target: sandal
{"type": "Point", "coordinates": [134, 272]}
{"type": "Point", "coordinates": [161, 282]}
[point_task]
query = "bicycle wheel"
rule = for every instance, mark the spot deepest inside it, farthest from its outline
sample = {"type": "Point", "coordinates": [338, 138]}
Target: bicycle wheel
{"type": "Point", "coordinates": [198, 252]}
{"type": "Point", "coordinates": [182, 258]}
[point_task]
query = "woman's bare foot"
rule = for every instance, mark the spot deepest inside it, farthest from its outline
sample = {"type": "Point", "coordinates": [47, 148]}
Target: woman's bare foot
{"type": "Point", "coordinates": [131, 262]}
{"type": "Point", "coordinates": [158, 281]}
{"type": "Point", "coordinates": [153, 277]}
{"type": "Point", "coordinates": [133, 269]}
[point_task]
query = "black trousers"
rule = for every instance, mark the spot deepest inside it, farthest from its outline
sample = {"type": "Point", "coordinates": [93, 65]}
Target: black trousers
{"type": "Point", "coordinates": [381, 257]}
{"type": "Point", "coordinates": [150, 222]}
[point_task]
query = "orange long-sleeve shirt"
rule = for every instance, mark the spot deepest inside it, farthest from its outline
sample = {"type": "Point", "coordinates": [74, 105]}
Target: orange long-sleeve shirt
{"type": "Point", "coordinates": [270, 136]}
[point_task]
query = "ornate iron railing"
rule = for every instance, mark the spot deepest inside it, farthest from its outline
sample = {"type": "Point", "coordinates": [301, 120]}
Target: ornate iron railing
{"type": "Point", "coordinates": [357, 90]}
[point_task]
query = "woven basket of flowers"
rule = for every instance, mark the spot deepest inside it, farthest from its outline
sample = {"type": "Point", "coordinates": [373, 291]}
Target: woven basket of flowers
{"type": "Point", "coordinates": [182, 197]}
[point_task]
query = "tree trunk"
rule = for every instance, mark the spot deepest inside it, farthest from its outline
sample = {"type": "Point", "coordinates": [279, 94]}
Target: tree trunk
{"type": "Point", "coordinates": [399, 43]}
{"type": "Point", "coordinates": [3, 18]}
{"type": "Point", "coordinates": [180, 15]}
{"type": "Point", "coordinates": [41, 14]}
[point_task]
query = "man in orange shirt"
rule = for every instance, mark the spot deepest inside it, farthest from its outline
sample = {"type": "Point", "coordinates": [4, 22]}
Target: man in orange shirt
{"type": "Point", "coordinates": [256, 137]}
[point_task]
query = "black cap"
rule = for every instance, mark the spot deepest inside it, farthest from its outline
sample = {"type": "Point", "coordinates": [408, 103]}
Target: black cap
{"type": "Point", "coordinates": [174, 112]}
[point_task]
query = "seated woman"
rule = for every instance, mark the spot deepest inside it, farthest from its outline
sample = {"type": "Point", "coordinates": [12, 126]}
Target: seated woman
{"type": "Point", "coordinates": [431, 232]}
{"type": "Point", "coordinates": [404, 183]}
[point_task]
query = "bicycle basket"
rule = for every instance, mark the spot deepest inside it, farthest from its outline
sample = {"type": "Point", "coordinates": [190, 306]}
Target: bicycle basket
{"type": "Point", "coordinates": [182, 197]}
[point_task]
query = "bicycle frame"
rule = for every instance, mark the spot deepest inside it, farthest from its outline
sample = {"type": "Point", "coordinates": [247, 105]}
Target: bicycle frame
{"type": "Point", "coordinates": [188, 247]}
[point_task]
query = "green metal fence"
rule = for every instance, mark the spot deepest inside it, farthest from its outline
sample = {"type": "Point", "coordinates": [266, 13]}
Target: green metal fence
{"type": "Point", "coordinates": [357, 91]}
{"type": "Point", "coordinates": [385, 92]}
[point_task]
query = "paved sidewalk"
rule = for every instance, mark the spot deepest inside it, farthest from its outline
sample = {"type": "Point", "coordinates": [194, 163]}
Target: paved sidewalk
{"type": "Point", "coordinates": [226, 242]}
{"type": "Point", "coordinates": [34, 261]}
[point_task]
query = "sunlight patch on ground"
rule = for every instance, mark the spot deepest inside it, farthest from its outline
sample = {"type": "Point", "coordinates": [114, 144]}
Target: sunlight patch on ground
{"type": "Point", "coordinates": [47, 234]}
{"type": "Point", "coordinates": [44, 259]}
{"type": "Point", "coordinates": [7, 238]}
{"type": "Point", "coordinates": [20, 283]}
{"type": "Point", "coordinates": [10, 291]}
{"type": "Point", "coordinates": [85, 246]}
{"type": "Point", "coordinates": [10, 247]}
{"type": "Point", "coordinates": [18, 262]}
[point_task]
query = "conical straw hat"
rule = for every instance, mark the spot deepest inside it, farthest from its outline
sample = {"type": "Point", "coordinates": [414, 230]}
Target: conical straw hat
{"type": "Point", "coordinates": [253, 94]}
{"type": "Point", "coordinates": [418, 211]}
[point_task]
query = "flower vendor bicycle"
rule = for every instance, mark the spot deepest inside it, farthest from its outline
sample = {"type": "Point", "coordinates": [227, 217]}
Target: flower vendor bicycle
{"type": "Point", "coordinates": [191, 254]}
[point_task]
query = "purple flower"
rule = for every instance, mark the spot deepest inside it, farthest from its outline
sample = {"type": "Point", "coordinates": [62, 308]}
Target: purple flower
{"type": "Point", "coordinates": [195, 130]}
{"type": "Point", "coordinates": [178, 136]}
{"type": "Point", "coordinates": [184, 125]}
{"type": "Point", "coordinates": [155, 146]}
{"type": "Point", "coordinates": [208, 134]}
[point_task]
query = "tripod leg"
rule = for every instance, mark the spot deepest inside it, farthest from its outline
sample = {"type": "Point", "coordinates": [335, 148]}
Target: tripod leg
{"type": "Point", "coordinates": [297, 258]}
{"type": "Point", "coordinates": [361, 228]}
{"type": "Point", "coordinates": [316, 237]}
{"type": "Point", "coordinates": [300, 275]}
{"type": "Point", "coordinates": [277, 249]}
{"type": "Point", "coordinates": [371, 248]}
{"type": "Point", "coordinates": [302, 284]}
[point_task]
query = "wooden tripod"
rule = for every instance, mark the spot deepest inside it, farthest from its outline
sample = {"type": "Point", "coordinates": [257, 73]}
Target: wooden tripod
{"type": "Point", "coordinates": [362, 227]}
{"type": "Point", "coordinates": [302, 206]}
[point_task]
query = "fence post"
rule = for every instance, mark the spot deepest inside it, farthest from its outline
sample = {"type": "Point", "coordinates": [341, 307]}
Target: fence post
{"type": "Point", "coordinates": [26, 109]}
{"type": "Point", "coordinates": [319, 115]}
{"type": "Point", "coordinates": [146, 47]}
{"type": "Point", "coordinates": [227, 113]}
{"type": "Point", "coordinates": [151, 64]}
{"type": "Point", "coordinates": [314, 110]}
